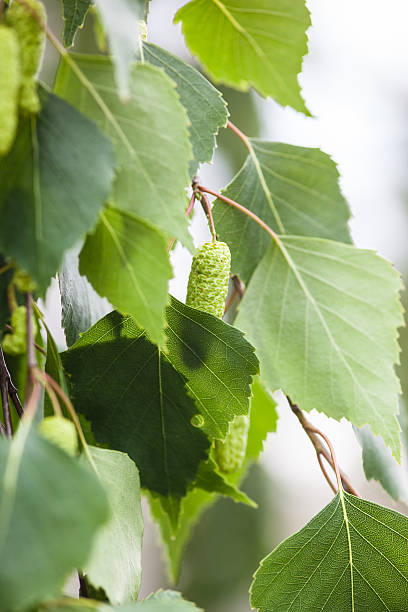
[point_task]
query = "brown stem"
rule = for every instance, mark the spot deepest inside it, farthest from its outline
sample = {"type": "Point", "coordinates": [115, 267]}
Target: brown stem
{"type": "Point", "coordinates": [12, 390]}
{"type": "Point", "coordinates": [31, 360]}
{"type": "Point", "coordinates": [208, 213]}
{"type": "Point", "coordinates": [6, 403]}
{"type": "Point", "coordinates": [188, 212]}
{"type": "Point", "coordinates": [244, 210]}
{"type": "Point", "coordinates": [3, 432]}
{"type": "Point", "coordinates": [240, 135]}
{"type": "Point", "coordinates": [238, 290]}
{"type": "Point", "coordinates": [314, 434]}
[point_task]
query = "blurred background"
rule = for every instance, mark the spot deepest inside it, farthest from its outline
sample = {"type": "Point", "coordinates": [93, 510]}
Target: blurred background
{"type": "Point", "coordinates": [354, 83]}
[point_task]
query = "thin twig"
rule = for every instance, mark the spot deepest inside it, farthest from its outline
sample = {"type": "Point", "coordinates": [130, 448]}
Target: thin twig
{"type": "Point", "coordinates": [40, 349]}
{"type": "Point", "coordinates": [238, 290]}
{"type": "Point", "coordinates": [320, 449]}
{"type": "Point", "coordinates": [6, 403]}
{"type": "Point", "coordinates": [188, 212]}
{"type": "Point", "coordinates": [244, 210]}
{"type": "Point", "coordinates": [240, 135]}
{"type": "Point", "coordinates": [31, 360]}
{"type": "Point", "coordinates": [3, 432]}
{"type": "Point", "coordinates": [11, 387]}
{"type": "Point", "coordinates": [208, 213]}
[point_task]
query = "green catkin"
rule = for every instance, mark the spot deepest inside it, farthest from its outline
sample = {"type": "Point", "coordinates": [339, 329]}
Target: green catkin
{"type": "Point", "coordinates": [10, 80]}
{"type": "Point", "coordinates": [208, 281]}
{"type": "Point", "coordinates": [231, 453]}
{"type": "Point", "coordinates": [61, 432]}
{"type": "Point", "coordinates": [207, 290]}
{"type": "Point", "coordinates": [16, 343]}
{"type": "Point", "coordinates": [31, 39]}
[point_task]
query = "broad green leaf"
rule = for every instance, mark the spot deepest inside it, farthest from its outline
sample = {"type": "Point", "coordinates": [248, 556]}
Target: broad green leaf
{"type": "Point", "coordinates": [81, 305]}
{"type": "Point", "coordinates": [379, 464]}
{"type": "Point", "coordinates": [323, 317]}
{"type": "Point", "coordinates": [51, 508]}
{"type": "Point", "coordinates": [115, 562]}
{"type": "Point", "coordinates": [204, 104]}
{"type": "Point", "coordinates": [295, 190]}
{"type": "Point", "coordinates": [150, 133]}
{"type": "Point", "coordinates": [217, 362]}
{"type": "Point", "coordinates": [74, 13]}
{"type": "Point", "coordinates": [245, 43]}
{"type": "Point", "coordinates": [121, 23]}
{"type": "Point", "coordinates": [126, 260]}
{"type": "Point", "coordinates": [351, 556]}
{"type": "Point", "coordinates": [54, 181]}
{"type": "Point", "coordinates": [137, 403]}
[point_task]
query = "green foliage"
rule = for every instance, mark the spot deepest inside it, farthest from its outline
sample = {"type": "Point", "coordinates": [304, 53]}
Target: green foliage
{"type": "Point", "coordinates": [94, 187]}
{"type": "Point", "coordinates": [136, 254]}
{"type": "Point", "coordinates": [205, 107]}
{"type": "Point", "coordinates": [120, 539]}
{"type": "Point", "coordinates": [351, 556]}
{"type": "Point", "coordinates": [293, 189]}
{"type": "Point", "coordinates": [58, 175]}
{"type": "Point", "coordinates": [33, 470]}
{"type": "Point", "coordinates": [259, 43]}
{"type": "Point", "coordinates": [150, 130]}
{"type": "Point", "coordinates": [335, 351]}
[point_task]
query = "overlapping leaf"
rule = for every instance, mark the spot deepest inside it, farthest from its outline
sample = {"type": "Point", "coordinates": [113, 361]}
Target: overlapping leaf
{"type": "Point", "coordinates": [161, 601]}
{"type": "Point", "coordinates": [81, 305]}
{"type": "Point", "coordinates": [126, 260]}
{"type": "Point", "coordinates": [74, 13]}
{"type": "Point", "coordinates": [137, 403]}
{"type": "Point", "coordinates": [115, 562]}
{"type": "Point", "coordinates": [141, 401]}
{"type": "Point", "coordinates": [150, 133]}
{"type": "Point", "coordinates": [205, 107]}
{"type": "Point", "coordinates": [245, 43]}
{"type": "Point", "coordinates": [294, 190]}
{"type": "Point", "coordinates": [351, 556]}
{"type": "Point", "coordinates": [121, 23]}
{"type": "Point", "coordinates": [323, 318]}
{"type": "Point", "coordinates": [51, 508]}
{"type": "Point", "coordinates": [54, 181]}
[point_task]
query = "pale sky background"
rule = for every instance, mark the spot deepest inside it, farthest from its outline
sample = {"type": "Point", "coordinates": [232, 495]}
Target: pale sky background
{"type": "Point", "coordinates": [354, 83]}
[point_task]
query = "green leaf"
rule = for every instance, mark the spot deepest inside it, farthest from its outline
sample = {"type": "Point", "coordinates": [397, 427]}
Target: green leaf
{"type": "Point", "coordinates": [137, 403]}
{"type": "Point", "coordinates": [74, 13]}
{"type": "Point", "coordinates": [217, 362]}
{"type": "Point", "coordinates": [81, 305]}
{"type": "Point", "coordinates": [204, 104]}
{"type": "Point", "coordinates": [245, 43]}
{"type": "Point", "coordinates": [323, 318]}
{"type": "Point", "coordinates": [126, 260]}
{"type": "Point", "coordinates": [380, 465]}
{"type": "Point", "coordinates": [121, 23]}
{"type": "Point", "coordinates": [150, 133]}
{"type": "Point", "coordinates": [57, 176]}
{"type": "Point", "coordinates": [115, 562]}
{"type": "Point", "coordinates": [51, 508]}
{"type": "Point", "coordinates": [351, 556]}
{"type": "Point", "coordinates": [295, 190]}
